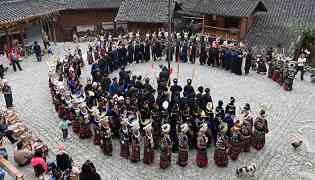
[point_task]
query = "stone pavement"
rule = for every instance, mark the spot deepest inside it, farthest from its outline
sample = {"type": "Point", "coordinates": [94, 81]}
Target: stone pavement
{"type": "Point", "coordinates": [291, 115]}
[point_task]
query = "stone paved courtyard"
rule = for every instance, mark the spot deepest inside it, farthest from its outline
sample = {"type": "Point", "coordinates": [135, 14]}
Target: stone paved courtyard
{"type": "Point", "coordinates": [291, 115]}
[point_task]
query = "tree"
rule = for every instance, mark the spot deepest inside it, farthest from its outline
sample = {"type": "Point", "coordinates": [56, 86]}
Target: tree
{"type": "Point", "coordinates": [308, 33]}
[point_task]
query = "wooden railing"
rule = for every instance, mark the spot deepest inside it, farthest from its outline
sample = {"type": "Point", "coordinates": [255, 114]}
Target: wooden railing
{"type": "Point", "coordinates": [10, 169]}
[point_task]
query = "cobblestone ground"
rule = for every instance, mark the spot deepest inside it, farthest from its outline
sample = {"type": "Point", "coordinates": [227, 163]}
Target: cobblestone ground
{"type": "Point", "coordinates": [291, 115]}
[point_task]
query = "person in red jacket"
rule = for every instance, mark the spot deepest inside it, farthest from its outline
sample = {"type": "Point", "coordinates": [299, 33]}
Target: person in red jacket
{"type": "Point", "coordinates": [39, 164]}
{"type": "Point", "coordinates": [14, 57]}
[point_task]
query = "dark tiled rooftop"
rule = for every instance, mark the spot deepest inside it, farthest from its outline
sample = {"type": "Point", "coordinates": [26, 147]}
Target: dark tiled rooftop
{"type": "Point", "coordinates": [15, 10]}
{"type": "Point", "coordinates": [279, 24]}
{"type": "Point", "coordinates": [236, 8]}
{"type": "Point", "coordinates": [147, 11]}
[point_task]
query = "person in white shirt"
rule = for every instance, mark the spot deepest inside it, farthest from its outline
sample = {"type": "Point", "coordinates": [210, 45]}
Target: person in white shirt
{"type": "Point", "coordinates": [301, 64]}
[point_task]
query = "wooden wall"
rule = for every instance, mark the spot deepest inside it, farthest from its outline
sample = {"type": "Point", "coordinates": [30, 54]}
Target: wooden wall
{"type": "Point", "coordinates": [251, 21]}
{"type": "Point", "coordinates": [219, 30]}
{"type": "Point", "coordinates": [68, 20]}
{"type": "Point", "coordinates": [244, 26]}
{"type": "Point", "coordinates": [144, 27]}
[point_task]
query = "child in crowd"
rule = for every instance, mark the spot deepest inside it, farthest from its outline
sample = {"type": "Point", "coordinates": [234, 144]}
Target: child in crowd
{"type": "Point", "coordinates": [64, 126]}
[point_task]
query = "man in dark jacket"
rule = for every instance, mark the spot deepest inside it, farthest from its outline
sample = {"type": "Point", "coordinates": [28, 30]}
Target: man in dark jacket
{"type": "Point", "coordinates": [176, 90]}
{"type": "Point", "coordinates": [38, 52]}
{"type": "Point", "coordinates": [103, 64]}
{"type": "Point", "coordinates": [113, 88]}
{"type": "Point", "coordinates": [63, 160]}
{"type": "Point", "coordinates": [94, 69]}
{"type": "Point", "coordinates": [123, 55]}
{"type": "Point", "coordinates": [189, 91]}
{"type": "Point", "coordinates": [115, 58]}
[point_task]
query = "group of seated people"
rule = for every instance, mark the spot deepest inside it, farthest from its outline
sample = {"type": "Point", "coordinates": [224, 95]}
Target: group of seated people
{"type": "Point", "coordinates": [38, 160]}
{"type": "Point", "coordinates": [60, 168]}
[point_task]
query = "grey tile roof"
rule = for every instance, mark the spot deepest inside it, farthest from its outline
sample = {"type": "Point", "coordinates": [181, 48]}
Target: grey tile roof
{"type": "Point", "coordinates": [92, 4]}
{"type": "Point", "coordinates": [279, 24]}
{"type": "Point", "coordinates": [15, 10]}
{"type": "Point", "coordinates": [236, 8]}
{"type": "Point", "coordinates": [147, 11]}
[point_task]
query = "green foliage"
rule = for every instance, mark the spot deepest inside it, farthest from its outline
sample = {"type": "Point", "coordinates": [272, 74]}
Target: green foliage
{"type": "Point", "coordinates": [309, 34]}
{"type": "Point", "coordinates": [307, 31]}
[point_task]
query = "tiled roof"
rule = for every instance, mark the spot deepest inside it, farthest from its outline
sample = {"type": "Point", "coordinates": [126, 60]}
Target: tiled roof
{"type": "Point", "coordinates": [279, 24]}
{"type": "Point", "coordinates": [92, 4]}
{"type": "Point", "coordinates": [147, 11]}
{"type": "Point", "coordinates": [236, 8]}
{"type": "Point", "coordinates": [15, 10]}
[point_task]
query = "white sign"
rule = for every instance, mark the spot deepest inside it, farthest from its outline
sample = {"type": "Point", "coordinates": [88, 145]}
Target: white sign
{"type": "Point", "coordinates": [85, 28]}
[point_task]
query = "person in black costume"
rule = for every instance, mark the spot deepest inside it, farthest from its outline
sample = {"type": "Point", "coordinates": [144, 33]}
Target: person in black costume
{"type": "Point", "coordinates": [248, 62]}
{"type": "Point", "coordinates": [130, 54]}
{"type": "Point", "coordinates": [147, 51]}
{"type": "Point", "coordinates": [219, 110]}
{"type": "Point", "coordinates": [203, 52]}
{"type": "Point", "coordinates": [189, 91]}
{"type": "Point", "coordinates": [176, 90]}
{"type": "Point", "coordinates": [199, 96]}
{"type": "Point", "coordinates": [230, 107]}
{"type": "Point", "coordinates": [206, 98]}
{"type": "Point", "coordinates": [211, 56]}
{"type": "Point", "coordinates": [137, 52]}
{"type": "Point", "coordinates": [193, 51]}
{"type": "Point", "coordinates": [88, 172]}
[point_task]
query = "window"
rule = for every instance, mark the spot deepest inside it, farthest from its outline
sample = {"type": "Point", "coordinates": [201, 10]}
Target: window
{"type": "Point", "coordinates": [232, 22]}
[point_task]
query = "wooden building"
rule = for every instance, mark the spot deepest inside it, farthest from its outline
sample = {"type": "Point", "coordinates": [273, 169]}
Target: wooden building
{"type": "Point", "coordinates": [86, 16]}
{"type": "Point", "coordinates": [18, 17]}
{"type": "Point", "coordinates": [283, 27]}
{"type": "Point", "coordinates": [145, 15]}
{"type": "Point", "coordinates": [230, 19]}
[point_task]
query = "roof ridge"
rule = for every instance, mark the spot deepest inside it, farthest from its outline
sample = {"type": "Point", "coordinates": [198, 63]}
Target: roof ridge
{"type": "Point", "coordinates": [11, 1]}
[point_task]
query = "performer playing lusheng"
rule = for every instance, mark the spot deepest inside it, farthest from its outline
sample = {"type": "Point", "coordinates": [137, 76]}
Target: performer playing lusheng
{"type": "Point", "coordinates": [148, 145]}
{"type": "Point", "coordinates": [202, 140]}
{"type": "Point", "coordinates": [166, 146]}
{"type": "Point", "coordinates": [260, 129]}
{"type": "Point", "coordinates": [183, 145]}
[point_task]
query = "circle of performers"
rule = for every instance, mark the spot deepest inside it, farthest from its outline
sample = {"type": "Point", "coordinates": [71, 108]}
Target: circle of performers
{"type": "Point", "coordinates": [175, 120]}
